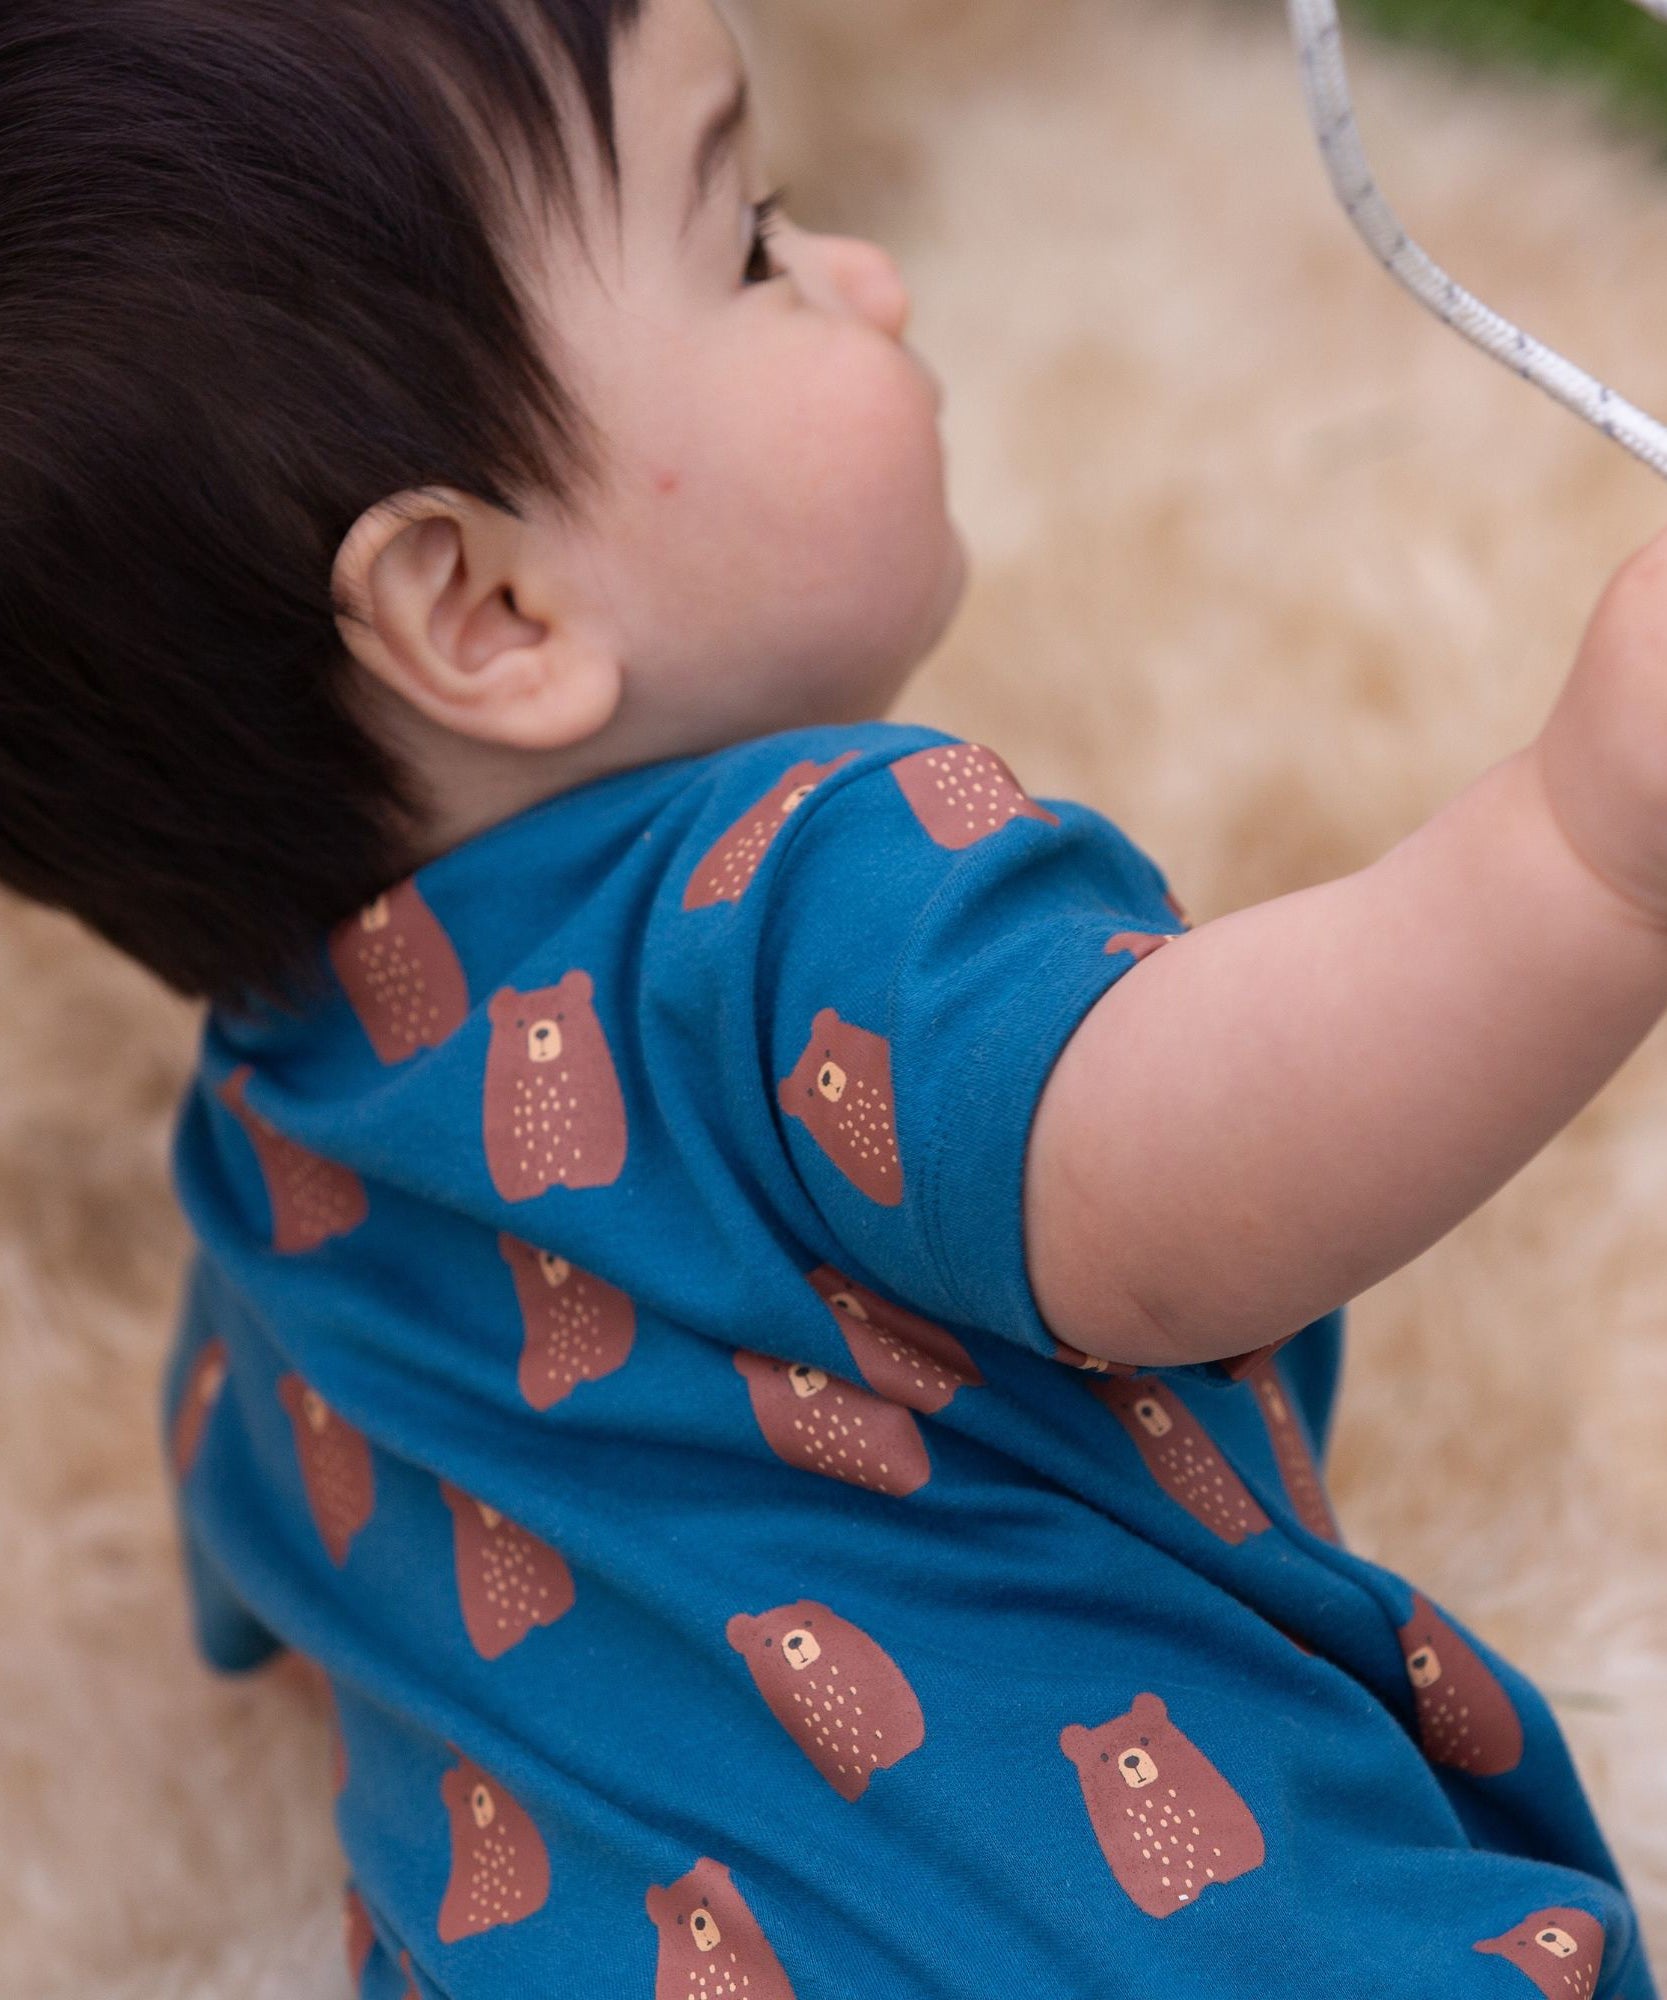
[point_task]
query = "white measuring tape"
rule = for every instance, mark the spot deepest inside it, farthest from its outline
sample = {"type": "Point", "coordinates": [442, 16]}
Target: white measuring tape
{"type": "Point", "coordinates": [1330, 108]}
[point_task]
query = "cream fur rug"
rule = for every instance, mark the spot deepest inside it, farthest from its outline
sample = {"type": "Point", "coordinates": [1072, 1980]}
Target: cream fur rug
{"type": "Point", "coordinates": [1270, 567]}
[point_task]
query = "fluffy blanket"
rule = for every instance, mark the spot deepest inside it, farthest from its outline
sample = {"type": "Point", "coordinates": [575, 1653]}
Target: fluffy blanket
{"type": "Point", "coordinates": [1269, 567]}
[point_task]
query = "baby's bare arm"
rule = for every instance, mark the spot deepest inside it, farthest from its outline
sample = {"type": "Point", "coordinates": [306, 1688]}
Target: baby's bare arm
{"type": "Point", "coordinates": [1285, 1106]}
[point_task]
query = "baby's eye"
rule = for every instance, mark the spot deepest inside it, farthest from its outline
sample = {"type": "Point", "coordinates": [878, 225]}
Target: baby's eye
{"type": "Point", "coordinates": [761, 266]}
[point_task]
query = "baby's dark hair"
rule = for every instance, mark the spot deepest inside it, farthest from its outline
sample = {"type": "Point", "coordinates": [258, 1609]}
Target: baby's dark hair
{"type": "Point", "coordinates": [252, 282]}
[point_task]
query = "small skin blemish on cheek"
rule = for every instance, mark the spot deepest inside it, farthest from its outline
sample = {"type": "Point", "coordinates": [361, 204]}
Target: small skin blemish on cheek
{"type": "Point", "coordinates": [668, 483]}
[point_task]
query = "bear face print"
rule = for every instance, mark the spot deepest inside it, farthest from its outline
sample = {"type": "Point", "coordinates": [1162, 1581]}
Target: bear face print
{"type": "Point", "coordinates": [401, 974]}
{"type": "Point", "coordinates": [554, 1113]}
{"type": "Point", "coordinates": [1169, 1824]}
{"type": "Point", "coordinates": [1295, 1457]}
{"type": "Point", "coordinates": [711, 1947]}
{"type": "Point", "coordinates": [358, 1936]}
{"type": "Point", "coordinates": [844, 1701]}
{"type": "Point", "coordinates": [962, 793]}
{"type": "Point", "coordinates": [576, 1328]}
{"type": "Point", "coordinates": [841, 1092]}
{"type": "Point", "coordinates": [1560, 1950]}
{"type": "Point", "coordinates": [500, 1867]}
{"type": "Point", "coordinates": [207, 1377]}
{"type": "Point", "coordinates": [1465, 1717]}
{"type": "Point", "coordinates": [312, 1199]}
{"type": "Point", "coordinates": [901, 1356]}
{"type": "Point", "coordinates": [726, 872]}
{"type": "Point", "coordinates": [1180, 1457]}
{"type": "Point", "coordinates": [508, 1581]}
{"type": "Point", "coordinates": [335, 1466]}
{"type": "Point", "coordinates": [821, 1424]}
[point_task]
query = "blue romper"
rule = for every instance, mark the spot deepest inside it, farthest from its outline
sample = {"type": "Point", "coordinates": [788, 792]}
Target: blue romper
{"type": "Point", "coordinates": [610, 1358]}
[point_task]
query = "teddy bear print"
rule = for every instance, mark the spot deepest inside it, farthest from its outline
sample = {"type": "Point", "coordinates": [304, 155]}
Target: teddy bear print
{"type": "Point", "coordinates": [500, 1867]}
{"type": "Point", "coordinates": [844, 1701]}
{"type": "Point", "coordinates": [335, 1466]}
{"type": "Point", "coordinates": [1294, 1456]}
{"type": "Point", "coordinates": [555, 1115]}
{"type": "Point", "coordinates": [1465, 1717]}
{"type": "Point", "coordinates": [1560, 1950]}
{"type": "Point", "coordinates": [402, 975]}
{"type": "Point", "coordinates": [822, 1424]}
{"type": "Point", "coordinates": [1090, 1364]}
{"type": "Point", "coordinates": [1180, 1457]}
{"type": "Point", "coordinates": [410, 1992]}
{"type": "Point", "coordinates": [576, 1327]}
{"type": "Point", "coordinates": [962, 793]}
{"type": "Point", "coordinates": [203, 1384]}
{"type": "Point", "coordinates": [900, 1356]}
{"type": "Point", "coordinates": [841, 1091]}
{"type": "Point", "coordinates": [726, 872]}
{"type": "Point", "coordinates": [358, 1936]}
{"type": "Point", "coordinates": [508, 1581]}
{"type": "Point", "coordinates": [711, 1947]}
{"type": "Point", "coordinates": [1169, 1824]}
{"type": "Point", "coordinates": [313, 1199]}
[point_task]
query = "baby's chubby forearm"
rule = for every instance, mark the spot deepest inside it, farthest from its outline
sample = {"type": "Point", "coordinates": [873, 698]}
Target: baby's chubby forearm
{"type": "Point", "coordinates": [1287, 1105]}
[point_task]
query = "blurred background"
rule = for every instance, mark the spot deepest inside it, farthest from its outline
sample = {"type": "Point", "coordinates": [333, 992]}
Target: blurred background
{"type": "Point", "coordinates": [1268, 566]}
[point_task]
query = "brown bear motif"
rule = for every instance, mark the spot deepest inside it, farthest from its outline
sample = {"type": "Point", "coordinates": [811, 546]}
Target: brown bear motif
{"type": "Point", "coordinates": [1180, 1457]}
{"type": "Point", "coordinates": [508, 1581]}
{"type": "Point", "coordinates": [711, 1947]}
{"type": "Point", "coordinates": [1296, 1460]}
{"type": "Point", "coordinates": [1242, 1365]}
{"type": "Point", "coordinates": [401, 972]}
{"type": "Point", "coordinates": [500, 1867]}
{"type": "Point", "coordinates": [726, 872]}
{"type": "Point", "coordinates": [335, 1466]}
{"type": "Point", "coordinates": [358, 1936]}
{"type": "Point", "coordinates": [1090, 1364]}
{"type": "Point", "coordinates": [1561, 1951]}
{"type": "Point", "coordinates": [962, 793]}
{"type": "Point", "coordinates": [822, 1424]}
{"type": "Point", "coordinates": [843, 1700]}
{"type": "Point", "coordinates": [203, 1384]}
{"type": "Point", "coordinates": [312, 1198]}
{"type": "Point", "coordinates": [1169, 1824]}
{"type": "Point", "coordinates": [841, 1091]}
{"type": "Point", "coordinates": [1465, 1717]}
{"type": "Point", "coordinates": [555, 1115]}
{"type": "Point", "coordinates": [901, 1356]}
{"type": "Point", "coordinates": [410, 1992]}
{"type": "Point", "coordinates": [1139, 944]}
{"type": "Point", "coordinates": [577, 1327]}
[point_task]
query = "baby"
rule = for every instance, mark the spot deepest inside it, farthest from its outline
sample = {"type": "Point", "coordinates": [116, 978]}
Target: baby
{"type": "Point", "coordinates": [765, 1311]}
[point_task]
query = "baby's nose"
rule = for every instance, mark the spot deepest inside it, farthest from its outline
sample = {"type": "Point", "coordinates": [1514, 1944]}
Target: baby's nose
{"type": "Point", "coordinates": [871, 283]}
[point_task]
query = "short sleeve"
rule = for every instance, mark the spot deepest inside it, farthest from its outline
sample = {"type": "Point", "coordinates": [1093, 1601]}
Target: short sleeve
{"type": "Point", "coordinates": [933, 937]}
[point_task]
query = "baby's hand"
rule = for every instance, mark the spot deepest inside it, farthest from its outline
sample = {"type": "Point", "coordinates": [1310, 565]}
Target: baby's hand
{"type": "Point", "coordinates": [1603, 754]}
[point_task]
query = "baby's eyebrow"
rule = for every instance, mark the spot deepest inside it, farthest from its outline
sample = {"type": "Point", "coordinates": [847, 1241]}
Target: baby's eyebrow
{"type": "Point", "coordinates": [715, 141]}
